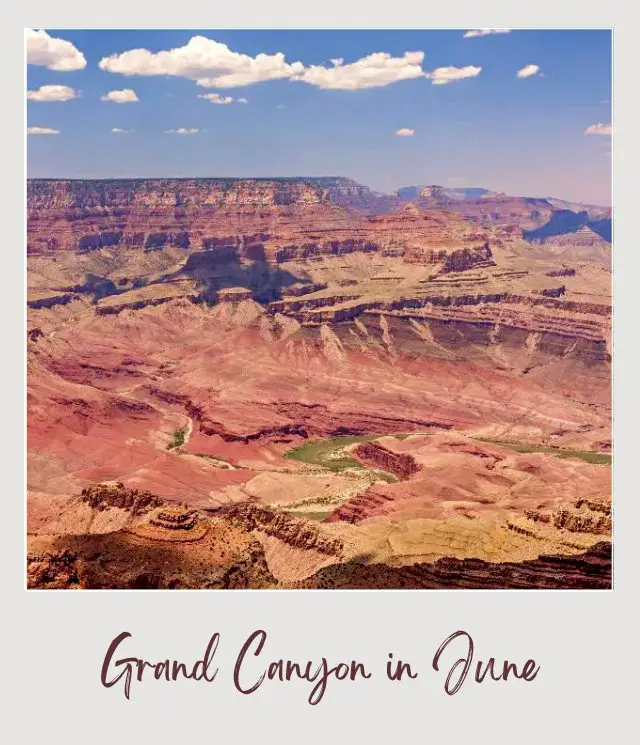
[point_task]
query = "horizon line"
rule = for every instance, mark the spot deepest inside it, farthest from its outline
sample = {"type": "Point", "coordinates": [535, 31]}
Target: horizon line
{"type": "Point", "coordinates": [305, 178]}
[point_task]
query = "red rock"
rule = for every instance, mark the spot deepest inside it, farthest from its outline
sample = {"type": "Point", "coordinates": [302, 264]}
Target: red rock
{"type": "Point", "coordinates": [186, 334]}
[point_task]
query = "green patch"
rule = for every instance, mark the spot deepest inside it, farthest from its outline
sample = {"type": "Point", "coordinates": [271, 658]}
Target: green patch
{"type": "Point", "coordinates": [600, 459]}
{"type": "Point", "coordinates": [385, 476]}
{"type": "Point", "coordinates": [319, 452]}
{"type": "Point", "coordinates": [329, 454]}
{"type": "Point", "coordinates": [178, 439]}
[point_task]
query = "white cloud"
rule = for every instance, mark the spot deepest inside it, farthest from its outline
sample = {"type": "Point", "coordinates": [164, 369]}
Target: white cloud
{"type": "Point", "coordinates": [405, 132]}
{"type": "Point", "coordinates": [373, 71]}
{"type": "Point", "coordinates": [485, 32]}
{"type": "Point", "coordinates": [117, 130]}
{"type": "Point", "coordinates": [55, 54]}
{"type": "Point", "coordinates": [126, 95]}
{"type": "Point", "coordinates": [528, 71]}
{"type": "Point", "coordinates": [213, 65]}
{"type": "Point", "coordinates": [222, 100]}
{"type": "Point", "coordinates": [52, 93]}
{"type": "Point", "coordinates": [182, 131]}
{"type": "Point", "coordinates": [599, 129]}
{"type": "Point", "coordinates": [445, 75]}
{"type": "Point", "coordinates": [210, 63]}
{"type": "Point", "coordinates": [42, 131]}
{"type": "Point", "coordinates": [216, 98]}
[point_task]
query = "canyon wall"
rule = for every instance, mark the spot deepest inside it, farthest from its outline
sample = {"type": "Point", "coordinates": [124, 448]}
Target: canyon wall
{"type": "Point", "coordinates": [199, 349]}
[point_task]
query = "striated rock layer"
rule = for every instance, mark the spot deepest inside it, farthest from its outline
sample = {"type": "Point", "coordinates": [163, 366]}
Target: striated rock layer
{"type": "Point", "coordinates": [591, 570]}
{"type": "Point", "coordinates": [248, 546]}
{"type": "Point", "coordinates": [197, 346]}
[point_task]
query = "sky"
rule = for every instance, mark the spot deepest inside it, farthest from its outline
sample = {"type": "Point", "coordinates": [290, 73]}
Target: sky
{"type": "Point", "coordinates": [524, 112]}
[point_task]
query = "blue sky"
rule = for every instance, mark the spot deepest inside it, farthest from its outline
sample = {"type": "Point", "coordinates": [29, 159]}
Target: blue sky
{"type": "Point", "coordinates": [521, 135]}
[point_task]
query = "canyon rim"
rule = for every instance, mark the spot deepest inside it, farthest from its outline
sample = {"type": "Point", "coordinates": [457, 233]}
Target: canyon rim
{"type": "Point", "coordinates": [306, 382]}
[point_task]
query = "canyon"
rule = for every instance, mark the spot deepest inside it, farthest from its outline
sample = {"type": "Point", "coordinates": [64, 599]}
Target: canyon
{"type": "Point", "coordinates": [302, 383]}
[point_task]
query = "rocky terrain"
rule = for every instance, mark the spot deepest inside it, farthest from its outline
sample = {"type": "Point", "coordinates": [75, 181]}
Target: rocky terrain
{"type": "Point", "coordinates": [304, 383]}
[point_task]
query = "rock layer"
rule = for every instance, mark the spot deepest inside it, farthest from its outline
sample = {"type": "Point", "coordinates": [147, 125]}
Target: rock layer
{"type": "Point", "coordinates": [187, 336]}
{"type": "Point", "coordinates": [591, 570]}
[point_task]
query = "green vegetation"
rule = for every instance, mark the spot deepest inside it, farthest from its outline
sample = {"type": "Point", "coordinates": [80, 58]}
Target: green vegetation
{"type": "Point", "coordinates": [178, 439]}
{"type": "Point", "coordinates": [319, 452]}
{"type": "Point", "coordinates": [601, 459]}
{"type": "Point", "coordinates": [329, 455]}
{"type": "Point", "coordinates": [384, 476]}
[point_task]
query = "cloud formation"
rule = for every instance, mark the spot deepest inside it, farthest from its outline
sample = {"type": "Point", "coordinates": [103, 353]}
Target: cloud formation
{"type": "Point", "coordinates": [599, 129]}
{"type": "Point", "coordinates": [405, 132]}
{"type": "Point", "coordinates": [117, 130]}
{"type": "Point", "coordinates": [42, 131]}
{"type": "Point", "coordinates": [221, 100]}
{"type": "Point", "coordinates": [182, 131]}
{"type": "Point", "coordinates": [126, 95]}
{"type": "Point", "coordinates": [372, 71]}
{"type": "Point", "coordinates": [528, 71]}
{"type": "Point", "coordinates": [47, 93]}
{"type": "Point", "coordinates": [446, 75]}
{"type": "Point", "coordinates": [210, 63]}
{"type": "Point", "coordinates": [485, 32]}
{"type": "Point", "coordinates": [52, 53]}
{"type": "Point", "coordinates": [216, 98]}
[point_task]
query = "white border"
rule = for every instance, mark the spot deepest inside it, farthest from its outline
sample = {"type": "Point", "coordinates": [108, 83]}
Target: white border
{"type": "Point", "coordinates": [583, 641]}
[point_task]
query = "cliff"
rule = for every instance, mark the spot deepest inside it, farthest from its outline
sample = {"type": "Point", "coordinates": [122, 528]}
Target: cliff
{"type": "Point", "coordinates": [274, 220]}
{"type": "Point", "coordinates": [188, 339]}
{"type": "Point", "coordinates": [401, 465]}
{"type": "Point", "coordinates": [590, 570]}
{"type": "Point", "coordinates": [155, 213]}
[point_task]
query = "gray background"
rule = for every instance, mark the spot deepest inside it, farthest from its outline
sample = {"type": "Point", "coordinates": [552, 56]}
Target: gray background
{"type": "Point", "coordinates": [54, 642]}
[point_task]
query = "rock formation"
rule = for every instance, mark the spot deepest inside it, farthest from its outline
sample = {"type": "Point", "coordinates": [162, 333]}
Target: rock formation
{"type": "Point", "coordinates": [401, 465]}
{"type": "Point", "coordinates": [591, 570]}
{"type": "Point", "coordinates": [115, 494]}
{"type": "Point", "coordinates": [187, 339]}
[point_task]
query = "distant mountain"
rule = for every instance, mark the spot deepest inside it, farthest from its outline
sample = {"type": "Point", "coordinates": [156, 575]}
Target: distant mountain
{"type": "Point", "coordinates": [603, 227]}
{"type": "Point", "coordinates": [441, 196]}
{"type": "Point", "coordinates": [564, 222]}
{"type": "Point", "coordinates": [594, 211]}
{"type": "Point", "coordinates": [444, 194]}
{"type": "Point", "coordinates": [349, 193]}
